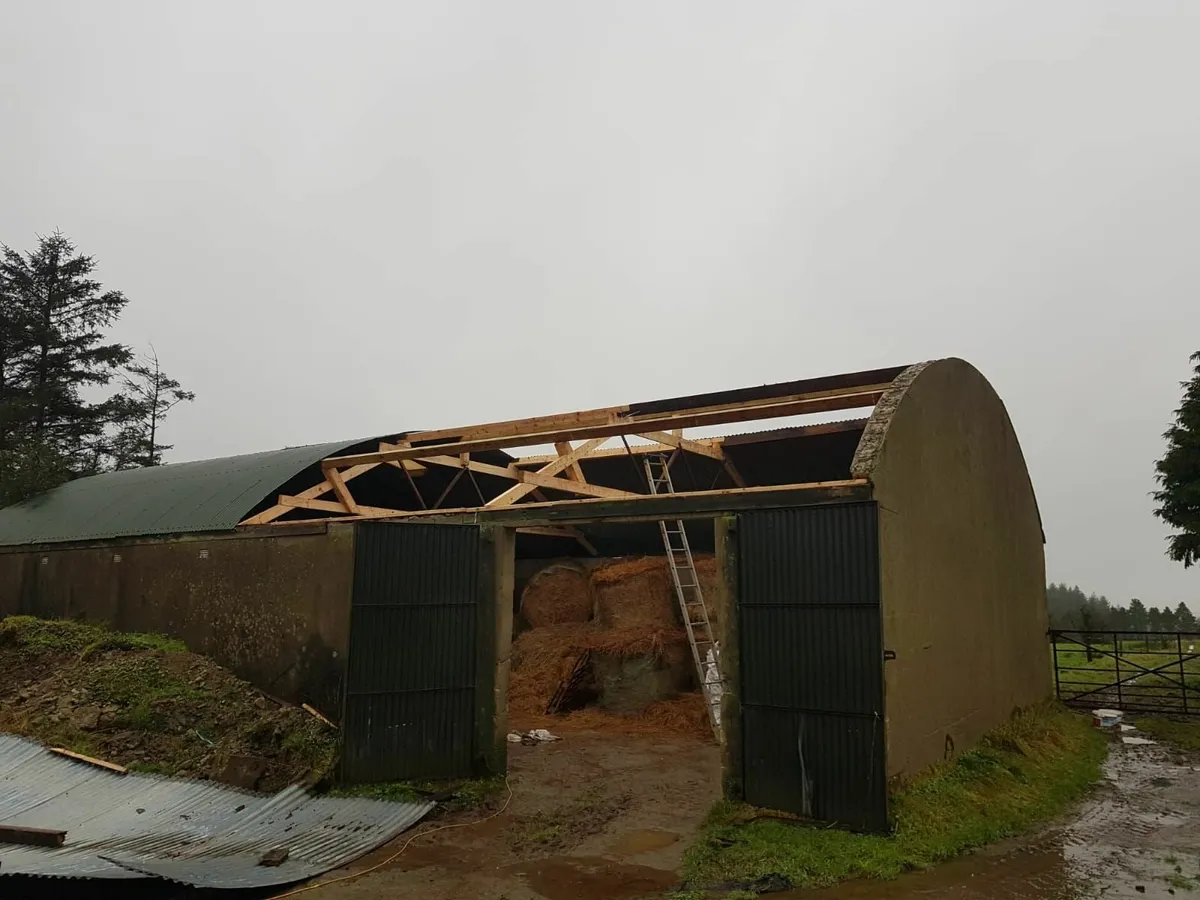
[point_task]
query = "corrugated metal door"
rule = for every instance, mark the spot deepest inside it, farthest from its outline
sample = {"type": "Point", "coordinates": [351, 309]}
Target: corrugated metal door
{"type": "Point", "coordinates": [410, 680]}
{"type": "Point", "coordinates": [812, 663]}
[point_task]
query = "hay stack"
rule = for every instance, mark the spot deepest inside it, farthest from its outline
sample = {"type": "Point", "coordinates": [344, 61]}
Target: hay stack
{"type": "Point", "coordinates": [541, 659]}
{"type": "Point", "coordinates": [635, 592]}
{"type": "Point", "coordinates": [559, 594]}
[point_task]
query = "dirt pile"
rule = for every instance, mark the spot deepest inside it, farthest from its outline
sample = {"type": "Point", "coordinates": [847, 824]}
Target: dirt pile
{"type": "Point", "coordinates": [144, 702]}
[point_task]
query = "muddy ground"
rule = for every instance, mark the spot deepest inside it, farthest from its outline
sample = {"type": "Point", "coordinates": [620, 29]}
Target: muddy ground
{"type": "Point", "coordinates": [592, 816]}
{"type": "Point", "coordinates": [607, 817]}
{"type": "Point", "coordinates": [1137, 836]}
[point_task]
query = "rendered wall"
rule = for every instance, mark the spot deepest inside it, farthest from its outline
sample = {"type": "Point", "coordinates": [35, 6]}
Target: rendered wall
{"type": "Point", "coordinates": [963, 583]}
{"type": "Point", "coordinates": [274, 609]}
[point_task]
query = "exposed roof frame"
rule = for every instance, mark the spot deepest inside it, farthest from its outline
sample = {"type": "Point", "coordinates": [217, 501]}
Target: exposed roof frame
{"type": "Point", "coordinates": [661, 422]}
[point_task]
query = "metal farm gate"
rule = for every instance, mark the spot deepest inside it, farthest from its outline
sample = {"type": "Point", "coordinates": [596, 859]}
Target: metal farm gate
{"type": "Point", "coordinates": [410, 702]}
{"type": "Point", "coordinates": [1156, 672]}
{"type": "Point", "coordinates": [811, 651]}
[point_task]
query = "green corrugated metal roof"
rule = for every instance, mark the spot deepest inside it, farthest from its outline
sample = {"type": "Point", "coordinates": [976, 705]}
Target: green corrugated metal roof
{"type": "Point", "coordinates": [209, 495]}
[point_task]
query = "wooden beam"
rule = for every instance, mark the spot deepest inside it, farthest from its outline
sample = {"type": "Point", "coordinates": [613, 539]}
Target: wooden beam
{"type": "Point", "coordinates": [681, 443]}
{"type": "Point", "coordinates": [364, 512]}
{"type": "Point", "coordinates": [606, 453]}
{"type": "Point", "coordinates": [556, 465]}
{"type": "Point", "coordinates": [270, 515]}
{"type": "Point", "coordinates": [334, 477]}
{"type": "Point", "coordinates": [561, 531]}
{"type": "Point", "coordinates": [534, 479]}
{"type": "Point", "coordinates": [90, 760]}
{"type": "Point", "coordinates": [766, 395]}
{"type": "Point", "coordinates": [794, 406]}
{"type": "Point", "coordinates": [33, 837]}
{"type": "Point", "coordinates": [573, 471]}
{"type": "Point", "coordinates": [639, 508]}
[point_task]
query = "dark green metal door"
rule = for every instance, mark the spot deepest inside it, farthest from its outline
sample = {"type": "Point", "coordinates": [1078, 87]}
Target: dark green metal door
{"type": "Point", "coordinates": [410, 708]}
{"type": "Point", "coordinates": [811, 653]}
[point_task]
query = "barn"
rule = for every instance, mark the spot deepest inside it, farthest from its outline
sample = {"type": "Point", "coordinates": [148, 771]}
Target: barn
{"type": "Point", "coordinates": [855, 593]}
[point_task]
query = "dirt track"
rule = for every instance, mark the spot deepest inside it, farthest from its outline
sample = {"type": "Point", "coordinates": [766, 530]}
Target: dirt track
{"type": "Point", "coordinates": [594, 817]}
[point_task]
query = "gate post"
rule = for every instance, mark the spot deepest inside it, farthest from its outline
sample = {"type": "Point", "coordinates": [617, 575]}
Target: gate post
{"type": "Point", "coordinates": [726, 535]}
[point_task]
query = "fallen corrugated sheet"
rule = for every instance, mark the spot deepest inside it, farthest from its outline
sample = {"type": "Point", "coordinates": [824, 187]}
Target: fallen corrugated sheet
{"type": "Point", "coordinates": [194, 832]}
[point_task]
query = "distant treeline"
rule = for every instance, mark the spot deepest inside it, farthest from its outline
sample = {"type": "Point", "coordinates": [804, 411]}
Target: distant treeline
{"type": "Point", "coordinates": [1070, 607]}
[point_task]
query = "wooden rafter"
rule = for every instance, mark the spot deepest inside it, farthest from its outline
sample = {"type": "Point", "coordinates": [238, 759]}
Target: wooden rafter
{"type": "Point", "coordinates": [557, 464]}
{"type": "Point", "coordinates": [334, 477]}
{"type": "Point", "coordinates": [573, 471]}
{"type": "Point", "coordinates": [640, 507]}
{"type": "Point", "coordinates": [534, 479]}
{"type": "Point", "coordinates": [577, 436]}
{"type": "Point", "coordinates": [790, 406]}
{"type": "Point", "coordinates": [679, 442]}
{"type": "Point", "coordinates": [364, 512]}
{"type": "Point", "coordinates": [608, 452]}
{"type": "Point", "coordinates": [562, 531]}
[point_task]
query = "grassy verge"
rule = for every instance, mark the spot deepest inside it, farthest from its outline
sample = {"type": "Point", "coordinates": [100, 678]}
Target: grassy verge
{"type": "Point", "coordinates": [452, 796]}
{"type": "Point", "coordinates": [1181, 733]}
{"type": "Point", "coordinates": [1023, 773]}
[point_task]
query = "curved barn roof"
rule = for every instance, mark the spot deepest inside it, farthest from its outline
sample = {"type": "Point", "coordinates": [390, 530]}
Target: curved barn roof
{"type": "Point", "coordinates": [208, 495]}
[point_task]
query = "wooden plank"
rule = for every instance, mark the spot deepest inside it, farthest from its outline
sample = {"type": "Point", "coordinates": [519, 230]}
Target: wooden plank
{"type": "Point", "coordinates": [573, 471]}
{"type": "Point", "coordinates": [90, 760]}
{"type": "Point", "coordinates": [639, 508]}
{"type": "Point", "coordinates": [828, 386]}
{"type": "Point", "coordinates": [561, 531]}
{"type": "Point", "coordinates": [334, 477]}
{"type": "Point", "coordinates": [532, 479]}
{"type": "Point", "coordinates": [553, 467]}
{"type": "Point", "coordinates": [364, 512]}
{"type": "Point", "coordinates": [791, 407]}
{"type": "Point", "coordinates": [33, 837]}
{"type": "Point", "coordinates": [733, 472]}
{"type": "Point", "coordinates": [681, 443]}
{"type": "Point", "coordinates": [270, 515]}
{"type": "Point", "coordinates": [607, 453]}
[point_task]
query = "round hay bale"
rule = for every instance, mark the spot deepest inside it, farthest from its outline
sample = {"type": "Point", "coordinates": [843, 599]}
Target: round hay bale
{"type": "Point", "coordinates": [559, 594]}
{"type": "Point", "coordinates": [635, 591]}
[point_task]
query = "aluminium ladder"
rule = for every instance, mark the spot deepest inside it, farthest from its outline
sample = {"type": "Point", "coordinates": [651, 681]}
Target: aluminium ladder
{"type": "Point", "coordinates": [705, 652]}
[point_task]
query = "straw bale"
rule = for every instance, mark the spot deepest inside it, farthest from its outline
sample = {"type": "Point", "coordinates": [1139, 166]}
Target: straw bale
{"type": "Point", "coordinates": [633, 592]}
{"type": "Point", "coordinates": [558, 594]}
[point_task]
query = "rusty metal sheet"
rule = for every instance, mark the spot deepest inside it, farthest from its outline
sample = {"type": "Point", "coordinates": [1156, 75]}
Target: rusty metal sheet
{"type": "Point", "coordinates": [193, 832]}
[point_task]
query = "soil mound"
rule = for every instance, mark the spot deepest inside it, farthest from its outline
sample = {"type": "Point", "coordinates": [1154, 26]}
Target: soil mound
{"type": "Point", "coordinates": [556, 595]}
{"type": "Point", "coordinates": [144, 702]}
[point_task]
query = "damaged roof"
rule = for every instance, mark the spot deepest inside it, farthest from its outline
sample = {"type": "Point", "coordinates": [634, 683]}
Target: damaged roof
{"type": "Point", "coordinates": [192, 832]}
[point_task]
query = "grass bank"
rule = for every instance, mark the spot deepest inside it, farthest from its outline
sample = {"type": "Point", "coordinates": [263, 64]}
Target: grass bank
{"type": "Point", "coordinates": [1023, 773]}
{"type": "Point", "coordinates": [456, 795]}
{"type": "Point", "coordinates": [1183, 733]}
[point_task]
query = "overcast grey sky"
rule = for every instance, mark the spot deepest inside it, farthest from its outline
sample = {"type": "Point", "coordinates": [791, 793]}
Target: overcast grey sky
{"type": "Point", "coordinates": [338, 219]}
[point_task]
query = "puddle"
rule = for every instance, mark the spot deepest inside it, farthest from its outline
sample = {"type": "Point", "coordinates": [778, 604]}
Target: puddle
{"type": "Point", "coordinates": [643, 840]}
{"type": "Point", "coordinates": [591, 878]}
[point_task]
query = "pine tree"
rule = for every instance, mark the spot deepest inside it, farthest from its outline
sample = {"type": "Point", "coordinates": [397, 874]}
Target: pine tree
{"type": "Point", "coordinates": [53, 316]}
{"type": "Point", "coordinates": [148, 396]}
{"type": "Point", "coordinates": [1185, 619]}
{"type": "Point", "coordinates": [1178, 475]}
{"type": "Point", "coordinates": [1139, 619]}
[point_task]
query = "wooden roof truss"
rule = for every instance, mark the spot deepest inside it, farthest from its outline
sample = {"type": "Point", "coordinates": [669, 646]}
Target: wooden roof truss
{"type": "Point", "coordinates": [576, 436]}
